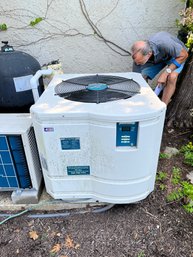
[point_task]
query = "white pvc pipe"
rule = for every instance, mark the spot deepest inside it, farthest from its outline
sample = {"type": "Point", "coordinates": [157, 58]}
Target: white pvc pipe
{"type": "Point", "coordinates": [34, 82]}
{"type": "Point", "coordinates": [158, 89]}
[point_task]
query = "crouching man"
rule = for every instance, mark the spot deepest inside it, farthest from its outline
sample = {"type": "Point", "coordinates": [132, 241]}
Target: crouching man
{"type": "Point", "coordinates": [161, 50]}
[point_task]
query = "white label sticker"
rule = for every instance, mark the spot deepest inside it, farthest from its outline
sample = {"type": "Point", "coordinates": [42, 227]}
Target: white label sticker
{"type": "Point", "coordinates": [22, 83]}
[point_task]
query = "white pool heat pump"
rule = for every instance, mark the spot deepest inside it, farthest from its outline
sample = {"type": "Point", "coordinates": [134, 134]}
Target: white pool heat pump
{"type": "Point", "coordinates": [99, 137]}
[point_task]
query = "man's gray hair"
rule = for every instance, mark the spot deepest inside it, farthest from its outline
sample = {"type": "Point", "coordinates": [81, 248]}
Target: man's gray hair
{"type": "Point", "coordinates": [145, 50]}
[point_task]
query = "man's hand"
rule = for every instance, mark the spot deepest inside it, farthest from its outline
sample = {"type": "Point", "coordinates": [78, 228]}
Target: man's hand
{"type": "Point", "coordinates": [162, 78]}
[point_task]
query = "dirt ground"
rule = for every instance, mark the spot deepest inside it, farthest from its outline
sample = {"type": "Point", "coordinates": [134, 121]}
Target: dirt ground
{"type": "Point", "coordinates": [152, 227]}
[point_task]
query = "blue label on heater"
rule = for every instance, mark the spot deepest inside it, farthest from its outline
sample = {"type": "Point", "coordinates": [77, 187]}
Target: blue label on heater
{"type": "Point", "coordinates": [78, 170]}
{"type": "Point", "coordinates": [70, 143]}
{"type": "Point", "coordinates": [127, 134]}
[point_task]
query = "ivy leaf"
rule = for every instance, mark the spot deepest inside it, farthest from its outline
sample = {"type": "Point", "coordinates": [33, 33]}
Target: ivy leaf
{"type": "Point", "coordinates": [33, 235]}
{"type": "Point", "coordinates": [56, 248]}
{"type": "Point", "coordinates": [36, 21]}
{"type": "Point", "coordinates": [3, 27]}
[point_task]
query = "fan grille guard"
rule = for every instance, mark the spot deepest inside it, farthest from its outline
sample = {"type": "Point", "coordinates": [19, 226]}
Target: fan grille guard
{"type": "Point", "coordinates": [97, 88]}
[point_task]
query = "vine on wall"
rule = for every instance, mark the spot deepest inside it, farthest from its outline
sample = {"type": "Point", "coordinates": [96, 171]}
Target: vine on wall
{"type": "Point", "coordinates": [70, 32]}
{"type": "Point", "coordinates": [36, 21]}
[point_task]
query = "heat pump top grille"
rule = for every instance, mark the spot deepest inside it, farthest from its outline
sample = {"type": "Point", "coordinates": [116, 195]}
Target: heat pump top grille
{"type": "Point", "coordinates": [97, 88]}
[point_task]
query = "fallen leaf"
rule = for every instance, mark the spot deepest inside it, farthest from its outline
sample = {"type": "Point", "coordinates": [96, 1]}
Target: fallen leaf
{"type": "Point", "coordinates": [31, 223]}
{"type": "Point", "coordinates": [48, 229]}
{"type": "Point", "coordinates": [135, 235]}
{"type": "Point", "coordinates": [53, 234]}
{"type": "Point", "coordinates": [69, 242]}
{"type": "Point", "coordinates": [56, 248]}
{"type": "Point", "coordinates": [33, 235]}
{"type": "Point", "coordinates": [77, 246]}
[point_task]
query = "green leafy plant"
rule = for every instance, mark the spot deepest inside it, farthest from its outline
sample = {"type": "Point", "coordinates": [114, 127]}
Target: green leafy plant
{"type": "Point", "coordinates": [189, 43]}
{"type": "Point", "coordinates": [187, 147]}
{"type": "Point", "coordinates": [188, 192]}
{"type": "Point", "coordinates": [3, 27]}
{"type": "Point", "coordinates": [185, 24]}
{"type": "Point", "coordinates": [141, 254]}
{"type": "Point", "coordinates": [189, 207]}
{"type": "Point", "coordinates": [190, 2]}
{"type": "Point", "coordinates": [163, 156]}
{"type": "Point", "coordinates": [160, 178]}
{"type": "Point", "coordinates": [36, 21]}
{"type": "Point", "coordinates": [180, 190]}
{"type": "Point", "coordinates": [175, 195]}
{"type": "Point", "coordinates": [176, 176]}
{"type": "Point", "coordinates": [162, 187]}
{"type": "Point", "coordinates": [187, 150]}
{"type": "Point", "coordinates": [187, 189]}
{"type": "Point", "coordinates": [188, 158]}
{"type": "Point", "coordinates": [183, 190]}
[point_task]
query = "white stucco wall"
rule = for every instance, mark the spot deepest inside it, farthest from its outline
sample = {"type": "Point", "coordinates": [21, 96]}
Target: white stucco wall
{"type": "Point", "coordinates": [120, 21]}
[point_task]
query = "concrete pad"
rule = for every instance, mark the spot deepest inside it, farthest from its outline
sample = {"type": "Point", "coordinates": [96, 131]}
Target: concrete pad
{"type": "Point", "coordinates": [46, 203]}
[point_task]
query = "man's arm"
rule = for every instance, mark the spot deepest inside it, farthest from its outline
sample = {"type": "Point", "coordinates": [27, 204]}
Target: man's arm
{"type": "Point", "coordinates": [179, 60]}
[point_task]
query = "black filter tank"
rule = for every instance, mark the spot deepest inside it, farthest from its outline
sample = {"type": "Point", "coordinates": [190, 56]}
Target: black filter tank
{"type": "Point", "coordinates": [16, 70]}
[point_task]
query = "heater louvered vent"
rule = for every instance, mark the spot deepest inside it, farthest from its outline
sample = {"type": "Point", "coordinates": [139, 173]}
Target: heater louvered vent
{"type": "Point", "coordinates": [14, 170]}
{"type": "Point", "coordinates": [97, 88]}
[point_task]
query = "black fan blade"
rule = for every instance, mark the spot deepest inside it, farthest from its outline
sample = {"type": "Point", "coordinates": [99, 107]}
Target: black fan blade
{"type": "Point", "coordinates": [128, 92]}
{"type": "Point", "coordinates": [62, 88]}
